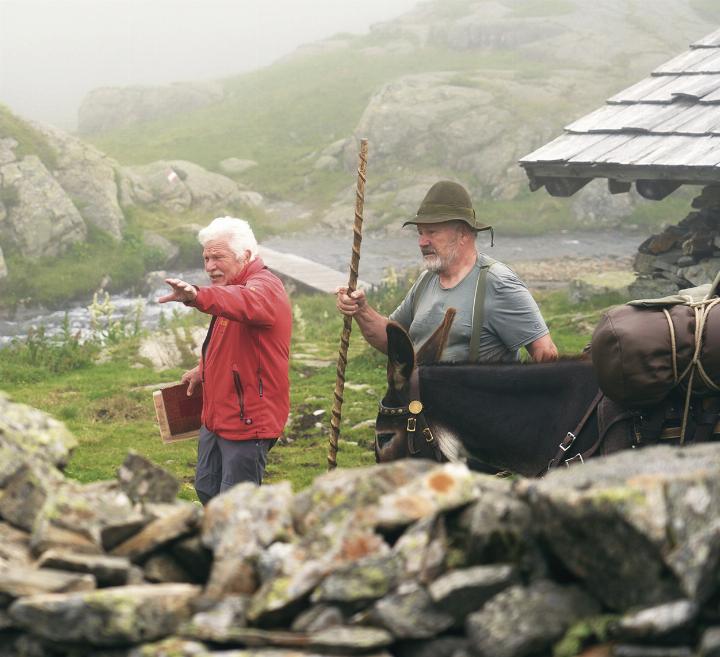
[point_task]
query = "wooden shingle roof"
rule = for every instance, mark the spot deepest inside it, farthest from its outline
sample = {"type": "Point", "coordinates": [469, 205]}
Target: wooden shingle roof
{"type": "Point", "coordinates": [660, 133]}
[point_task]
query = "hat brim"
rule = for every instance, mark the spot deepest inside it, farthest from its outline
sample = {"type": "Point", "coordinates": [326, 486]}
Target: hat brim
{"type": "Point", "coordinates": [477, 226]}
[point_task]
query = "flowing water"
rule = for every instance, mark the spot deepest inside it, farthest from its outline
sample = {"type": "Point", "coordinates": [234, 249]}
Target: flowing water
{"type": "Point", "coordinates": [377, 255]}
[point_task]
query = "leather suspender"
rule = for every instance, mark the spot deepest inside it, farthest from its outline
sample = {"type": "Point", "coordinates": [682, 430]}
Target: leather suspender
{"type": "Point", "coordinates": [478, 313]}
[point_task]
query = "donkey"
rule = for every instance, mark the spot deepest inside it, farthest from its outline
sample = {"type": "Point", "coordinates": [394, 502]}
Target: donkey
{"type": "Point", "coordinates": [525, 418]}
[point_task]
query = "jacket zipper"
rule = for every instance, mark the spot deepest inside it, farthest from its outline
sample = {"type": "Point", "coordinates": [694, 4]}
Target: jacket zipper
{"type": "Point", "coordinates": [259, 369]}
{"type": "Point", "coordinates": [239, 392]}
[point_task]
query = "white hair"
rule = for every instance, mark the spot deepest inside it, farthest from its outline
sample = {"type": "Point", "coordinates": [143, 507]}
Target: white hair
{"type": "Point", "coordinates": [237, 232]}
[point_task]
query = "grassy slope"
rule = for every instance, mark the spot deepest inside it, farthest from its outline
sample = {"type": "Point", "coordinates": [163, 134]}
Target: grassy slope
{"type": "Point", "coordinates": [109, 406]}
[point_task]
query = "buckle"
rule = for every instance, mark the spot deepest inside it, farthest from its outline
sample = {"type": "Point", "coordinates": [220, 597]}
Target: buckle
{"type": "Point", "coordinates": [565, 445]}
{"type": "Point", "coordinates": [429, 438]}
{"type": "Point", "coordinates": [577, 457]}
{"type": "Point", "coordinates": [411, 424]}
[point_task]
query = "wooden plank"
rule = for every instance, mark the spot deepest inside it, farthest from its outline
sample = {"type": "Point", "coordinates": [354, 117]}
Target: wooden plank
{"type": "Point", "coordinates": [685, 62]}
{"type": "Point", "coordinates": [306, 272]}
{"type": "Point", "coordinates": [710, 41]}
{"type": "Point", "coordinates": [697, 86]}
{"type": "Point", "coordinates": [709, 64]}
{"type": "Point", "coordinates": [600, 148]}
{"type": "Point", "coordinates": [666, 149]}
{"type": "Point", "coordinates": [596, 118]}
{"type": "Point", "coordinates": [642, 117]}
{"type": "Point", "coordinates": [562, 148]}
{"type": "Point", "coordinates": [636, 147]}
{"type": "Point", "coordinates": [693, 152]}
{"type": "Point", "coordinates": [693, 120]}
{"type": "Point", "coordinates": [642, 90]}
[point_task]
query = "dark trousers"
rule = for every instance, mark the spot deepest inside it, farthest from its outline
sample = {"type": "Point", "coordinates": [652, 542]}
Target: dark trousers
{"type": "Point", "coordinates": [223, 463]}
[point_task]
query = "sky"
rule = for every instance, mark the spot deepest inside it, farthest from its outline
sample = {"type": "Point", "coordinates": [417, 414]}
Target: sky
{"type": "Point", "coordinates": [52, 52]}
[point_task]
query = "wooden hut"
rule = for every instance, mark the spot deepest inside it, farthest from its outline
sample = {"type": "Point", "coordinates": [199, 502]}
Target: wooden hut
{"type": "Point", "coordinates": [657, 135]}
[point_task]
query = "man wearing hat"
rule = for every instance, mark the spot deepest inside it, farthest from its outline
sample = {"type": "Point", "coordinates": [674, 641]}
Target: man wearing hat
{"type": "Point", "coordinates": [496, 314]}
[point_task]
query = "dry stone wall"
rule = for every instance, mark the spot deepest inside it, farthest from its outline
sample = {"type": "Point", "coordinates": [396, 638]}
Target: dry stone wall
{"type": "Point", "coordinates": [683, 255]}
{"type": "Point", "coordinates": [619, 556]}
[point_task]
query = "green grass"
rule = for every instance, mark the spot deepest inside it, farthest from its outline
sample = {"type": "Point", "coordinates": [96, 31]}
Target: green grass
{"type": "Point", "coordinates": [109, 406]}
{"type": "Point", "coordinates": [539, 8]}
{"type": "Point", "coordinates": [30, 141]}
{"type": "Point", "coordinates": [78, 272]}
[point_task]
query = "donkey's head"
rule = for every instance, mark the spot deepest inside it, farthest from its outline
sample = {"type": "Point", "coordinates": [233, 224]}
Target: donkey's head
{"type": "Point", "coordinates": [395, 427]}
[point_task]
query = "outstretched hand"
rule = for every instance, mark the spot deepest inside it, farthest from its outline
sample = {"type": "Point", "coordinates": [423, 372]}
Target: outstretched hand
{"type": "Point", "coordinates": [181, 291]}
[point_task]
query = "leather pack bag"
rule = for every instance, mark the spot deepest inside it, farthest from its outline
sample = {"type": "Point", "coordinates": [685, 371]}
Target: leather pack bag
{"type": "Point", "coordinates": [643, 350]}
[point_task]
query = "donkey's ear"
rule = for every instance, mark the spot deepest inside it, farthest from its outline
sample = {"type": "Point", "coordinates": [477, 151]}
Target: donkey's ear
{"type": "Point", "coordinates": [432, 349]}
{"type": "Point", "coordinates": [401, 356]}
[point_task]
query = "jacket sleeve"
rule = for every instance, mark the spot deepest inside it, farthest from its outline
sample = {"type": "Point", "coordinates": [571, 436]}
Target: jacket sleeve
{"type": "Point", "coordinates": [254, 303]}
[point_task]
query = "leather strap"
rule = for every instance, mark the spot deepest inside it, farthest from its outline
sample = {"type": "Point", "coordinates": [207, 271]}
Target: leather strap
{"type": "Point", "coordinates": [478, 314]}
{"type": "Point", "coordinates": [571, 436]}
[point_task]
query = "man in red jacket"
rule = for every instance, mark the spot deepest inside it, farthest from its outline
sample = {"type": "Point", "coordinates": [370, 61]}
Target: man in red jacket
{"type": "Point", "coordinates": [245, 357]}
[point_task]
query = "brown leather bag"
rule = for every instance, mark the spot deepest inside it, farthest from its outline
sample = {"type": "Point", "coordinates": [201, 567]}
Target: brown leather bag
{"type": "Point", "coordinates": [642, 350]}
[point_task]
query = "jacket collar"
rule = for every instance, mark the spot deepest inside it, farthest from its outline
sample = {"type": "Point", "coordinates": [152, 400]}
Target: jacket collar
{"type": "Point", "coordinates": [251, 268]}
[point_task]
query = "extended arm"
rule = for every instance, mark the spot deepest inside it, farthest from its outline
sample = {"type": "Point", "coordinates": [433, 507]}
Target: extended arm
{"type": "Point", "coordinates": [372, 324]}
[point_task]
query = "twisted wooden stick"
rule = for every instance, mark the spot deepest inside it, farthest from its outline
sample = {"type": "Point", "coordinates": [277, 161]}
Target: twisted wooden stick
{"type": "Point", "coordinates": [347, 322]}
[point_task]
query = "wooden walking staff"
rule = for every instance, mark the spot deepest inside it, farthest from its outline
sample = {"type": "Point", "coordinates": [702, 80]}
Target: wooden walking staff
{"type": "Point", "coordinates": [347, 322]}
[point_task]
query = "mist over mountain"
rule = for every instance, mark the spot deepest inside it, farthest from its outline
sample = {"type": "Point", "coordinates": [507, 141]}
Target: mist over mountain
{"type": "Point", "coordinates": [455, 89]}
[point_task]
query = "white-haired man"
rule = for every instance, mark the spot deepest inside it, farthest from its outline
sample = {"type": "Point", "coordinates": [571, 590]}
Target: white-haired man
{"type": "Point", "coordinates": [496, 315]}
{"type": "Point", "coordinates": [245, 357]}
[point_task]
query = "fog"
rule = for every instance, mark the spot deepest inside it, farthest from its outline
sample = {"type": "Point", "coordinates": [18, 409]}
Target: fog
{"type": "Point", "coordinates": [52, 52]}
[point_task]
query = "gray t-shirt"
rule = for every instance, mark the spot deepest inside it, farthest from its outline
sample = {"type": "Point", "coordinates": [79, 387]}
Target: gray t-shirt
{"type": "Point", "coordinates": [511, 319]}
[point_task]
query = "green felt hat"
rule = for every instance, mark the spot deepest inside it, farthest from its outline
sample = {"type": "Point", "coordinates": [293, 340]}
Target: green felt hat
{"type": "Point", "coordinates": [447, 201]}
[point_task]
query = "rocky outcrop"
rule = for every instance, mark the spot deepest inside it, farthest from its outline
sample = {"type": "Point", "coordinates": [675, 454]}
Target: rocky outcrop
{"type": "Point", "coordinates": [177, 186]}
{"type": "Point", "coordinates": [88, 178]}
{"type": "Point", "coordinates": [110, 107]}
{"type": "Point", "coordinates": [40, 220]}
{"type": "Point", "coordinates": [410, 558]}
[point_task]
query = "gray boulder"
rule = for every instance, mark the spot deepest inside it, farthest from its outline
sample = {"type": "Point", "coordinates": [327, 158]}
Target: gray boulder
{"type": "Point", "coordinates": [108, 617]}
{"type": "Point", "coordinates": [42, 221]}
{"type": "Point", "coordinates": [88, 177]}
{"type": "Point", "coordinates": [177, 186]}
{"type": "Point", "coordinates": [637, 514]}
{"type": "Point", "coordinates": [527, 620]}
{"type": "Point", "coordinates": [110, 108]}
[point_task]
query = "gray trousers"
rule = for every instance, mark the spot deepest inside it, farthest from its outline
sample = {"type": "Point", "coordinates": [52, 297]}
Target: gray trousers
{"type": "Point", "coordinates": [223, 463]}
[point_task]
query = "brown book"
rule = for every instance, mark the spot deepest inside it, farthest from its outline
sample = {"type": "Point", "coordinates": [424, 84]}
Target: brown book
{"type": "Point", "coordinates": [178, 415]}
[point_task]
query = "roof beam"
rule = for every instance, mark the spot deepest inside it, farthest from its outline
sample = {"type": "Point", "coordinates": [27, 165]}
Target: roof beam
{"type": "Point", "coordinates": [564, 187]}
{"type": "Point", "coordinates": [656, 190]}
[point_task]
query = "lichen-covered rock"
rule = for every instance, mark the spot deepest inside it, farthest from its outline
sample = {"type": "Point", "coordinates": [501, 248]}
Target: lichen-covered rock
{"type": "Point", "coordinates": [665, 623]}
{"type": "Point", "coordinates": [100, 512]}
{"type": "Point", "coordinates": [143, 481]}
{"type": "Point", "coordinates": [363, 580]}
{"type": "Point", "coordinates": [107, 617]}
{"type": "Point", "coordinates": [20, 582]}
{"type": "Point", "coordinates": [525, 621]}
{"type": "Point", "coordinates": [445, 487]}
{"type": "Point", "coordinates": [107, 570]}
{"type": "Point", "coordinates": [35, 433]}
{"type": "Point", "coordinates": [237, 526]}
{"type": "Point", "coordinates": [463, 591]}
{"type": "Point", "coordinates": [635, 513]}
{"type": "Point", "coordinates": [422, 550]}
{"type": "Point", "coordinates": [410, 614]}
{"type": "Point", "coordinates": [183, 520]}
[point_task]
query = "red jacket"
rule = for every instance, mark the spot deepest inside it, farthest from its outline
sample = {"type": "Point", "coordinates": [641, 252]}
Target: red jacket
{"type": "Point", "coordinates": [245, 361]}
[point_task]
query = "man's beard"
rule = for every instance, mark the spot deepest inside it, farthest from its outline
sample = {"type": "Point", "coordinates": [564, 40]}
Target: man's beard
{"type": "Point", "coordinates": [436, 263]}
